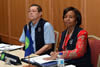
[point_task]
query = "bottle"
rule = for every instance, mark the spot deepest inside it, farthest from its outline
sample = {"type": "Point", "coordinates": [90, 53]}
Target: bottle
{"type": "Point", "coordinates": [60, 60]}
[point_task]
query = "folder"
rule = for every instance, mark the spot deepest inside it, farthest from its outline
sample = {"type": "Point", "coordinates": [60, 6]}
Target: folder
{"type": "Point", "coordinates": [39, 61]}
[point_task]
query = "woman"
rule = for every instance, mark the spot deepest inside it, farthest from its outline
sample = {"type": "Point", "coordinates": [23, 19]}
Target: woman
{"type": "Point", "coordinates": [74, 40]}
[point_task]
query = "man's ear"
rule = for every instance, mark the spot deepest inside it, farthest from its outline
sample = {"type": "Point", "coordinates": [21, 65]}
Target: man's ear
{"type": "Point", "coordinates": [40, 13]}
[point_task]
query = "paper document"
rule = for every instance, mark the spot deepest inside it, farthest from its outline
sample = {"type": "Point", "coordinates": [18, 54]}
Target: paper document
{"type": "Point", "coordinates": [13, 47]}
{"type": "Point", "coordinates": [40, 59]}
{"type": "Point", "coordinates": [5, 47]}
{"type": "Point", "coordinates": [70, 66]}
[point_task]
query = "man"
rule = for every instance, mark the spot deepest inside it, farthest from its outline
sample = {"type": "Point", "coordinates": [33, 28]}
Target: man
{"type": "Point", "coordinates": [42, 32]}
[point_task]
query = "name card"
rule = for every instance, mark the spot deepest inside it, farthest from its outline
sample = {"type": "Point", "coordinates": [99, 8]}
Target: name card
{"type": "Point", "coordinates": [12, 58]}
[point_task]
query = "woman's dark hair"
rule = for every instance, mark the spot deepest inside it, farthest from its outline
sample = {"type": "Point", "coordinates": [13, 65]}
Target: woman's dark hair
{"type": "Point", "coordinates": [77, 13]}
{"type": "Point", "coordinates": [39, 7]}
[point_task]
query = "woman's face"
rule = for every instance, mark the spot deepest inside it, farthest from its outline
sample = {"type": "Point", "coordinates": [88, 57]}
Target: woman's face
{"type": "Point", "coordinates": [70, 19]}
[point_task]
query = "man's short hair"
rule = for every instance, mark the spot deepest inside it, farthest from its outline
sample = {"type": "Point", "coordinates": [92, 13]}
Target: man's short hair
{"type": "Point", "coordinates": [39, 7]}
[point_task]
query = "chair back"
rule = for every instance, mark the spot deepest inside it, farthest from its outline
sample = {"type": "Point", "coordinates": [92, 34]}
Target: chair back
{"type": "Point", "coordinates": [56, 40]}
{"type": "Point", "coordinates": [94, 43]}
{"type": "Point", "coordinates": [98, 64]}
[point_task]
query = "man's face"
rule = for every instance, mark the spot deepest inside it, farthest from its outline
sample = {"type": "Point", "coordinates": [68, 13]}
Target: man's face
{"type": "Point", "coordinates": [33, 13]}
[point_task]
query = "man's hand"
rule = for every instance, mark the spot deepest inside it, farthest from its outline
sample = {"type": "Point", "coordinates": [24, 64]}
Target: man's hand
{"type": "Point", "coordinates": [44, 49]}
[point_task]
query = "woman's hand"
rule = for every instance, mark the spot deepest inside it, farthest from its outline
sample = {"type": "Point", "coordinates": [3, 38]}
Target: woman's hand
{"type": "Point", "coordinates": [53, 53]}
{"type": "Point", "coordinates": [53, 56]}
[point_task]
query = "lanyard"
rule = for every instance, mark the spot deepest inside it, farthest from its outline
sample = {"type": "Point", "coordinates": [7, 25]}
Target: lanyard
{"type": "Point", "coordinates": [66, 39]}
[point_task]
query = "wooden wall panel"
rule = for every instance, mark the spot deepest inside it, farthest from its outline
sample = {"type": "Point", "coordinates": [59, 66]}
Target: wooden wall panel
{"type": "Point", "coordinates": [58, 7]}
{"type": "Point", "coordinates": [13, 16]}
{"type": "Point", "coordinates": [53, 9]}
{"type": "Point", "coordinates": [3, 18]}
{"type": "Point", "coordinates": [93, 17]}
{"type": "Point", "coordinates": [17, 17]}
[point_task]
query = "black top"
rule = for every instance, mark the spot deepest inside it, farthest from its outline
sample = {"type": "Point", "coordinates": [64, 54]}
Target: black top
{"type": "Point", "coordinates": [39, 35]}
{"type": "Point", "coordinates": [84, 61]}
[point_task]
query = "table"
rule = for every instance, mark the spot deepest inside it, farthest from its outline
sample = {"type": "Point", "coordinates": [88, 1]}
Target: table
{"type": "Point", "coordinates": [19, 53]}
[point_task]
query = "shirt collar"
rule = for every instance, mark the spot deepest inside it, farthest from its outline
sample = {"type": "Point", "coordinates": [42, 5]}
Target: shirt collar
{"type": "Point", "coordinates": [34, 25]}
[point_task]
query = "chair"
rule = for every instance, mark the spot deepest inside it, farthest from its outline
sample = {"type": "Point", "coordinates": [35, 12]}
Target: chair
{"type": "Point", "coordinates": [56, 39]}
{"type": "Point", "coordinates": [98, 65]}
{"type": "Point", "coordinates": [94, 43]}
{"type": "Point", "coordinates": [93, 37]}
